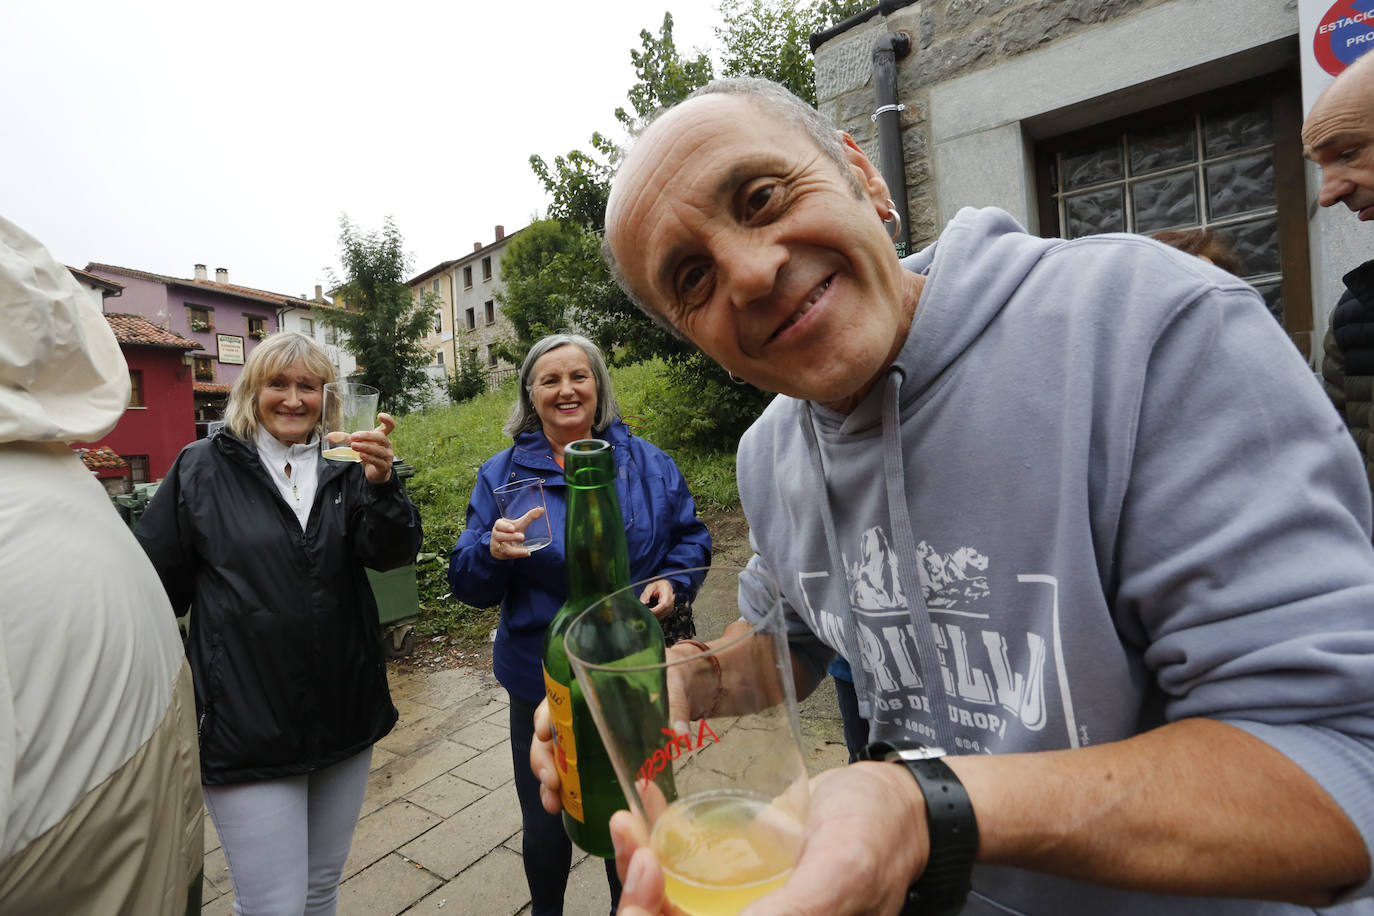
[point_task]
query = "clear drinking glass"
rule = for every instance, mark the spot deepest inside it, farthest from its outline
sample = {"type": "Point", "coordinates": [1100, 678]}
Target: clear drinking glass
{"type": "Point", "coordinates": [520, 496]}
{"type": "Point", "coordinates": [349, 407]}
{"type": "Point", "coordinates": [707, 748]}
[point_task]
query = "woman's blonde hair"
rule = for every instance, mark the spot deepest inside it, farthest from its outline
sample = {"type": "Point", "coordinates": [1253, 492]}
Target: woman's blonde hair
{"type": "Point", "coordinates": [268, 360]}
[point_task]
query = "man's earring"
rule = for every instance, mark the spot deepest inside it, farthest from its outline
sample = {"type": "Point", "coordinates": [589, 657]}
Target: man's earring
{"type": "Point", "coordinates": [734, 378]}
{"type": "Point", "coordinates": [895, 218]}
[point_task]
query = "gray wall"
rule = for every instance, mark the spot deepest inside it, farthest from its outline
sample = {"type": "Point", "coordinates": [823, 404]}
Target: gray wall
{"type": "Point", "coordinates": [987, 78]}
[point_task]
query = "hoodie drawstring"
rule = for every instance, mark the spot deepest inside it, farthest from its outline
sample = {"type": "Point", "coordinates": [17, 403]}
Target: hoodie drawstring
{"type": "Point", "coordinates": [839, 576]}
{"type": "Point", "coordinates": [909, 574]}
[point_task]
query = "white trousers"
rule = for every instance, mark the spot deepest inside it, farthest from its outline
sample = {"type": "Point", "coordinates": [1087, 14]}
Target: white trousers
{"type": "Point", "coordinates": [285, 840]}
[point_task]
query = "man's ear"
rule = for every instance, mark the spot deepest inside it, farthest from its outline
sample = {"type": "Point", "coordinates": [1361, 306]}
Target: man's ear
{"type": "Point", "coordinates": [866, 174]}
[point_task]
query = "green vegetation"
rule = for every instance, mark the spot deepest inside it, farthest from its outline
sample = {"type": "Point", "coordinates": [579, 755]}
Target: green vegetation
{"type": "Point", "coordinates": [469, 381]}
{"type": "Point", "coordinates": [383, 322]}
{"type": "Point", "coordinates": [447, 445]}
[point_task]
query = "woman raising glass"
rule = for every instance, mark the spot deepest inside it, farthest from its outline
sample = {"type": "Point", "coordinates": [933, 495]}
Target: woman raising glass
{"type": "Point", "coordinates": [565, 395]}
{"type": "Point", "coordinates": [267, 543]}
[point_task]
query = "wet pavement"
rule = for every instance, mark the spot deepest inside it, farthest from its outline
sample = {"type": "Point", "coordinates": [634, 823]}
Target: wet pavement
{"type": "Point", "coordinates": [440, 825]}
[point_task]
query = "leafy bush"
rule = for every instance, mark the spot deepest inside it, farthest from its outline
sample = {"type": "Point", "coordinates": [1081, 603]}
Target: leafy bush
{"type": "Point", "coordinates": [700, 408]}
{"type": "Point", "coordinates": [469, 381]}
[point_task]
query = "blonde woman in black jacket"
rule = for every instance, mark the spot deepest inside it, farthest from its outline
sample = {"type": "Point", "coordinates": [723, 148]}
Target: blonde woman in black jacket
{"type": "Point", "coordinates": [267, 542]}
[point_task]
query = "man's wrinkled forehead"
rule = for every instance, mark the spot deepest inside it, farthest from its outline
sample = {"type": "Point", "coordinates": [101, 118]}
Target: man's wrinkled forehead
{"type": "Point", "coordinates": [669, 129]}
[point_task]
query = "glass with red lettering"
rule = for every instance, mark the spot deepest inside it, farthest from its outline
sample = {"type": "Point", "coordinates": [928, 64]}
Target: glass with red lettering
{"type": "Point", "coordinates": [706, 744]}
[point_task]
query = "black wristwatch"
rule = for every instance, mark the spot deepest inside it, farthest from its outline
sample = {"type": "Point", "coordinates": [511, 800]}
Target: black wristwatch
{"type": "Point", "coordinates": [944, 885]}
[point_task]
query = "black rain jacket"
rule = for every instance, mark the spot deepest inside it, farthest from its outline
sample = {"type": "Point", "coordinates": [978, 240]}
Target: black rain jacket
{"type": "Point", "coordinates": [283, 638]}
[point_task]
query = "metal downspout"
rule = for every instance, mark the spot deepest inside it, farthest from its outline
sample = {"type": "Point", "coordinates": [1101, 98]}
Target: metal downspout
{"type": "Point", "coordinates": [888, 116]}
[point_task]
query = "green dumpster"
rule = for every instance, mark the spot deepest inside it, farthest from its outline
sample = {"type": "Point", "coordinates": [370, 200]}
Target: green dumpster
{"type": "Point", "coordinates": [398, 595]}
{"type": "Point", "coordinates": [398, 604]}
{"type": "Point", "coordinates": [132, 505]}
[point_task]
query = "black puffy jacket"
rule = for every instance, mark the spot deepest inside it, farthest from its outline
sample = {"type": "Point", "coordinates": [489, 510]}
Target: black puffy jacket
{"type": "Point", "coordinates": [283, 639]}
{"type": "Point", "coordinates": [1348, 365]}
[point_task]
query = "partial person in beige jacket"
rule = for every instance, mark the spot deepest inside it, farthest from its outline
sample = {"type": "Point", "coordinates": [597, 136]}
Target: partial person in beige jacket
{"type": "Point", "coordinates": [100, 805]}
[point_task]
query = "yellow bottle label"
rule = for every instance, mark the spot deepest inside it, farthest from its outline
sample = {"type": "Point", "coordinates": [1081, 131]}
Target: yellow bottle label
{"type": "Point", "coordinates": [565, 749]}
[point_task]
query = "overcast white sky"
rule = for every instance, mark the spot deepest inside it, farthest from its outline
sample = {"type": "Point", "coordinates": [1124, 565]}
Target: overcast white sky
{"type": "Point", "coordinates": [157, 135]}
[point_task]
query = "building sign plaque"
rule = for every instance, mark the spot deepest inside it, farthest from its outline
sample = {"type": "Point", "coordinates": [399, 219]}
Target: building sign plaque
{"type": "Point", "coordinates": [230, 348]}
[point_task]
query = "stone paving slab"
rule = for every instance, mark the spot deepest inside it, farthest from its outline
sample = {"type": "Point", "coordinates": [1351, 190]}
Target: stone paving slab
{"type": "Point", "coordinates": [216, 880]}
{"type": "Point", "coordinates": [491, 768]}
{"type": "Point", "coordinates": [460, 841]}
{"type": "Point", "coordinates": [385, 829]}
{"type": "Point", "coordinates": [408, 773]}
{"type": "Point", "coordinates": [482, 735]}
{"type": "Point", "coordinates": [211, 838]}
{"type": "Point", "coordinates": [380, 758]}
{"type": "Point", "coordinates": [385, 888]}
{"type": "Point", "coordinates": [493, 886]}
{"type": "Point", "coordinates": [446, 795]}
{"type": "Point", "coordinates": [588, 894]}
{"type": "Point", "coordinates": [220, 906]}
{"type": "Point", "coordinates": [411, 735]}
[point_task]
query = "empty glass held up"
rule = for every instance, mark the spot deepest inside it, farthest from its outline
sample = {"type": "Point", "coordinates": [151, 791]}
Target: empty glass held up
{"type": "Point", "coordinates": [519, 497]}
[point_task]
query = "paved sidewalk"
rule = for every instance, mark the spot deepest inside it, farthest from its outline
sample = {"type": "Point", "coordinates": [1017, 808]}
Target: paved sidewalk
{"type": "Point", "coordinates": [440, 825]}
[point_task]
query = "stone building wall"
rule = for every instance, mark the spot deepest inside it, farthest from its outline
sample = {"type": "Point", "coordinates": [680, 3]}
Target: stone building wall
{"type": "Point", "coordinates": [950, 38]}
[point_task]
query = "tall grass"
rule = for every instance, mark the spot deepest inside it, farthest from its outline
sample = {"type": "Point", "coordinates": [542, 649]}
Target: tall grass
{"type": "Point", "coordinates": [447, 445]}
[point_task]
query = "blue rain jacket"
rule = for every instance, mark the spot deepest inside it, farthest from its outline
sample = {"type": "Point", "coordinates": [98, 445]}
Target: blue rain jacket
{"type": "Point", "coordinates": [662, 532]}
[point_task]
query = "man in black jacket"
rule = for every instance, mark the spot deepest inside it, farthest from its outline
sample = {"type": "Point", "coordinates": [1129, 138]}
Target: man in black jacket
{"type": "Point", "coordinates": [1338, 136]}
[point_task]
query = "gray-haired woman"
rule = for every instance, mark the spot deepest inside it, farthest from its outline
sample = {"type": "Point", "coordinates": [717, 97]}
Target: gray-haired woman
{"type": "Point", "coordinates": [565, 395]}
{"type": "Point", "coordinates": [267, 543]}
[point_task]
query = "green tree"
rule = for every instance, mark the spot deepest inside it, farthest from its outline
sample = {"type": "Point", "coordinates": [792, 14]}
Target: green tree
{"type": "Point", "coordinates": [771, 39]}
{"type": "Point", "coordinates": [536, 290]}
{"type": "Point", "coordinates": [665, 76]}
{"type": "Point", "coordinates": [469, 381]}
{"type": "Point", "coordinates": [580, 182]}
{"type": "Point", "coordinates": [767, 38]}
{"type": "Point", "coordinates": [382, 320]}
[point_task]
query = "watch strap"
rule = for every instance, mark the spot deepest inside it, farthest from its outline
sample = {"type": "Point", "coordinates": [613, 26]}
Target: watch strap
{"type": "Point", "coordinates": [943, 886]}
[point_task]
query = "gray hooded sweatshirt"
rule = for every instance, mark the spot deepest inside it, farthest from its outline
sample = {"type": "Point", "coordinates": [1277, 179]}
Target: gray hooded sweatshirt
{"type": "Point", "coordinates": [1126, 501]}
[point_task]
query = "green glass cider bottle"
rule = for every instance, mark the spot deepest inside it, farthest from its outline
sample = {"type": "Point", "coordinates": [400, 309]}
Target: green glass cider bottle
{"type": "Point", "coordinates": [598, 564]}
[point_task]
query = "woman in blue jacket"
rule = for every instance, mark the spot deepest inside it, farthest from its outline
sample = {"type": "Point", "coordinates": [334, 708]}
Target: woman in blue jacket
{"type": "Point", "coordinates": [565, 395]}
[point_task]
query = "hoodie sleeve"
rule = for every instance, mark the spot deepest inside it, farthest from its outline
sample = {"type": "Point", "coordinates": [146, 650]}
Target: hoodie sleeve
{"type": "Point", "coordinates": [806, 647]}
{"type": "Point", "coordinates": [474, 575]}
{"type": "Point", "coordinates": [1244, 557]}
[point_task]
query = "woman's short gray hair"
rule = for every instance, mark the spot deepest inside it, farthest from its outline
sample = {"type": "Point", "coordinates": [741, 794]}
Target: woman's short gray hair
{"type": "Point", "coordinates": [525, 419]}
{"type": "Point", "coordinates": [269, 359]}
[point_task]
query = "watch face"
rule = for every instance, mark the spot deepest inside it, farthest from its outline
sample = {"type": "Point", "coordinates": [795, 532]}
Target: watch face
{"type": "Point", "coordinates": [891, 753]}
{"type": "Point", "coordinates": [916, 753]}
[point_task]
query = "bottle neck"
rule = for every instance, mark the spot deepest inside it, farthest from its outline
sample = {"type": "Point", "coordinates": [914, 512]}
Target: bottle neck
{"type": "Point", "coordinates": [594, 541]}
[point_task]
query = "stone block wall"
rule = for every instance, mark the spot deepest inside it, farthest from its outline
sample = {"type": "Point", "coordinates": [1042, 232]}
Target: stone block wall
{"type": "Point", "coordinates": [950, 38]}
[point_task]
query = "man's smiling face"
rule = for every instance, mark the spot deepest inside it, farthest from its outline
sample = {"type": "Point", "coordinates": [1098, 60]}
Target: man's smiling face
{"type": "Point", "coordinates": [732, 223]}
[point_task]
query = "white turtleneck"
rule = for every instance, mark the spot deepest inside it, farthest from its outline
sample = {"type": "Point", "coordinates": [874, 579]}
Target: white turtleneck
{"type": "Point", "coordinates": [297, 487]}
